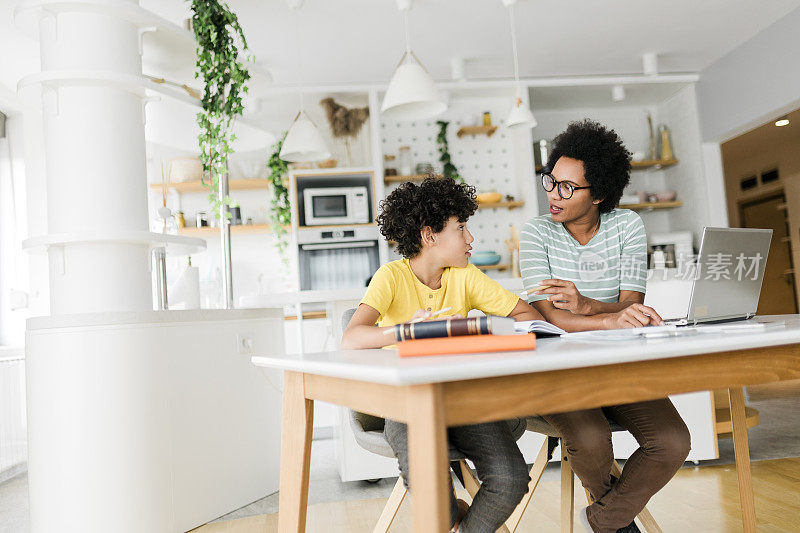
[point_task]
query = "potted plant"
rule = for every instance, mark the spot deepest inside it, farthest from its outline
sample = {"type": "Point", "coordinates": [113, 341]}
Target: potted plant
{"type": "Point", "coordinates": [220, 43]}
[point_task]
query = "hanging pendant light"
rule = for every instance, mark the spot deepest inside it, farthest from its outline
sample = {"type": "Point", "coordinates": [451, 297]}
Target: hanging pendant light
{"type": "Point", "coordinates": [412, 94]}
{"type": "Point", "coordinates": [303, 142]}
{"type": "Point", "coordinates": [520, 116]}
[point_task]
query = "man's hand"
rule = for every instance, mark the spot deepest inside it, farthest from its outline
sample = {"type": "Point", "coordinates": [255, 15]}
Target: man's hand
{"type": "Point", "coordinates": [564, 295]}
{"type": "Point", "coordinates": [634, 316]}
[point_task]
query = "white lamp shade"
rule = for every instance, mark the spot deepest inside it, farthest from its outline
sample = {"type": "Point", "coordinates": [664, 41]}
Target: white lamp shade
{"type": "Point", "coordinates": [411, 94]}
{"type": "Point", "coordinates": [303, 142]}
{"type": "Point", "coordinates": [520, 117]}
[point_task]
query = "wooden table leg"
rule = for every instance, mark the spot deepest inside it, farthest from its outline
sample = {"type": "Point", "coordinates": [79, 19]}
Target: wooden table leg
{"type": "Point", "coordinates": [296, 428]}
{"type": "Point", "coordinates": [742, 450]}
{"type": "Point", "coordinates": [428, 464]}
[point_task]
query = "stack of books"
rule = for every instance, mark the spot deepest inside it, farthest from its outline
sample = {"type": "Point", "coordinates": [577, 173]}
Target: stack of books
{"type": "Point", "coordinates": [479, 334]}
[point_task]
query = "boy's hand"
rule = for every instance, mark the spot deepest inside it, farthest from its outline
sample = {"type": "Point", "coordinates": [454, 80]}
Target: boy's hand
{"type": "Point", "coordinates": [421, 314]}
{"type": "Point", "coordinates": [566, 296]}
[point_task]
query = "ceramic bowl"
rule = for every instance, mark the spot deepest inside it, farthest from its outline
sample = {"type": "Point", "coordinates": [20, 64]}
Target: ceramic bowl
{"type": "Point", "coordinates": [488, 197]}
{"type": "Point", "coordinates": [485, 258]}
{"type": "Point", "coordinates": [666, 196]}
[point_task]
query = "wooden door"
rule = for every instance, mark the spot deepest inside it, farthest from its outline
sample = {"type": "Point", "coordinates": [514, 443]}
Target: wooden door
{"type": "Point", "coordinates": [777, 292]}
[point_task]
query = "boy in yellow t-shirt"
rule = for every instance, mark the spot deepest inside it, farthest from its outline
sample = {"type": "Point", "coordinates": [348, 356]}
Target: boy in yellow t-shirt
{"type": "Point", "coordinates": [428, 223]}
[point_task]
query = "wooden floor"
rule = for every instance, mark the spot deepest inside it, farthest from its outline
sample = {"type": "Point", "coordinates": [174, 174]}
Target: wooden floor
{"type": "Point", "coordinates": [697, 499]}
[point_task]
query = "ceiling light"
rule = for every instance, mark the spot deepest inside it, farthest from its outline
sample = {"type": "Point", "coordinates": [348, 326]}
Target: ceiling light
{"type": "Point", "coordinates": [520, 116]}
{"type": "Point", "coordinates": [650, 63]}
{"type": "Point", "coordinates": [783, 121]}
{"type": "Point", "coordinates": [618, 93]}
{"type": "Point", "coordinates": [303, 142]}
{"type": "Point", "coordinates": [412, 94]}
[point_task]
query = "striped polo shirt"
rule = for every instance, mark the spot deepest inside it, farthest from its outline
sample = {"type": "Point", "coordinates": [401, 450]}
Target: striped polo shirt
{"type": "Point", "coordinates": [614, 259]}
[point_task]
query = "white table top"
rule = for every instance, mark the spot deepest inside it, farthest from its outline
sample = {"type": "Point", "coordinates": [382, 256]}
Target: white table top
{"type": "Point", "coordinates": [384, 366]}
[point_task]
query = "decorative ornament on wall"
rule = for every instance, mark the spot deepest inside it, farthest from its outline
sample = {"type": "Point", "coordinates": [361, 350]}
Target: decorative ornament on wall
{"type": "Point", "coordinates": [346, 123]}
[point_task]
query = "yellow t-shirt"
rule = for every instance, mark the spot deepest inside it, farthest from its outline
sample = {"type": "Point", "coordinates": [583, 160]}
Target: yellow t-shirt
{"type": "Point", "coordinates": [396, 293]}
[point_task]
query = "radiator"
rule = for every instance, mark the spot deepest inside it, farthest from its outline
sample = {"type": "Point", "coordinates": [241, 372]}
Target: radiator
{"type": "Point", "coordinates": [13, 427]}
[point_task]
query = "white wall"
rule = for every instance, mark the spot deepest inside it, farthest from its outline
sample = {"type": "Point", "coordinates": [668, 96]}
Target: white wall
{"type": "Point", "coordinates": [501, 163]}
{"type": "Point", "coordinates": [756, 81]}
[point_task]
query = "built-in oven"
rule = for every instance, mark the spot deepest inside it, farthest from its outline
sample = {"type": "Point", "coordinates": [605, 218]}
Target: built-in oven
{"type": "Point", "coordinates": [337, 258]}
{"type": "Point", "coordinates": [335, 205]}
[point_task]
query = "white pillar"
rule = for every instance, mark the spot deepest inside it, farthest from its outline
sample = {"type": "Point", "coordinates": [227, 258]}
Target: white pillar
{"type": "Point", "coordinates": [95, 156]}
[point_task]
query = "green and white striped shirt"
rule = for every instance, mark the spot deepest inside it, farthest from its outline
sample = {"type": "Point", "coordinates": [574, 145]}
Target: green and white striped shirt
{"type": "Point", "coordinates": [614, 259]}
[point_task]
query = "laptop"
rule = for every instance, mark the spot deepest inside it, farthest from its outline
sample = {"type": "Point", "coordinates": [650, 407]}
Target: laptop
{"type": "Point", "coordinates": [729, 273]}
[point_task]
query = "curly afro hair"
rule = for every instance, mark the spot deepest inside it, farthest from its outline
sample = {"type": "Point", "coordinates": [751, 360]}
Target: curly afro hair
{"type": "Point", "coordinates": [606, 161]}
{"type": "Point", "coordinates": [411, 207]}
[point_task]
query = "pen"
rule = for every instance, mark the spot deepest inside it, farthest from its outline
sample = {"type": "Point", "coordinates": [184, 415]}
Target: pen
{"type": "Point", "coordinates": [534, 289]}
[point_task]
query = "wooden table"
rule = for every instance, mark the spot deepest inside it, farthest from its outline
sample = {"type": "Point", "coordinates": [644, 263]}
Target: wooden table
{"type": "Point", "coordinates": [431, 393]}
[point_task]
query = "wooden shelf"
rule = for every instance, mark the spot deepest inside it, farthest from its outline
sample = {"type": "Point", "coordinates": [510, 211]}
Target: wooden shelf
{"type": "Point", "coordinates": [499, 266]}
{"type": "Point", "coordinates": [653, 163]}
{"type": "Point", "coordinates": [649, 206]}
{"type": "Point", "coordinates": [476, 130]}
{"type": "Point", "coordinates": [196, 186]}
{"type": "Point", "coordinates": [723, 416]}
{"type": "Point", "coordinates": [401, 179]}
{"type": "Point", "coordinates": [307, 315]}
{"type": "Point", "coordinates": [235, 230]}
{"type": "Point", "coordinates": [509, 205]}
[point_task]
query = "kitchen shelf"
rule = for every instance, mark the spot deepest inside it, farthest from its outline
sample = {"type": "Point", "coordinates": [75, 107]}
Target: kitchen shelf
{"type": "Point", "coordinates": [649, 206]}
{"type": "Point", "coordinates": [507, 204]}
{"type": "Point", "coordinates": [401, 179]}
{"type": "Point", "coordinates": [196, 186]}
{"type": "Point", "coordinates": [476, 130]}
{"type": "Point", "coordinates": [653, 163]}
{"type": "Point", "coordinates": [238, 229]}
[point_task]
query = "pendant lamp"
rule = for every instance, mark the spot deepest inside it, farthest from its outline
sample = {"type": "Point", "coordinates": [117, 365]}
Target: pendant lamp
{"type": "Point", "coordinates": [303, 141]}
{"type": "Point", "coordinates": [520, 115]}
{"type": "Point", "coordinates": [412, 94]}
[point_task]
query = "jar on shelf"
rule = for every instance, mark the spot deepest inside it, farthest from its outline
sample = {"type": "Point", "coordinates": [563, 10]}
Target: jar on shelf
{"type": "Point", "coordinates": [389, 165]}
{"type": "Point", "coordinates": [487, 118]}
{"type": "Point", "coordinates": [404, 163]}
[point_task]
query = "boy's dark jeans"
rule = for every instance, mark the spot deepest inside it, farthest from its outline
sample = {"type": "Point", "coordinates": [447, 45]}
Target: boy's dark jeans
{"type": "Point", "coordinates": [499, 464]}
{"type": "Point", "coordinates": [664, 444]}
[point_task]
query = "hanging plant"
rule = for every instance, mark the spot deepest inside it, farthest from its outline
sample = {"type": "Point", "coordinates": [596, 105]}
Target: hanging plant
{"type": "Point", "coordinates": [280, 214]}
{"type": "Point", "coordinates": [449, 170]}
{"type": "Point", "coordinates": [220, 41]}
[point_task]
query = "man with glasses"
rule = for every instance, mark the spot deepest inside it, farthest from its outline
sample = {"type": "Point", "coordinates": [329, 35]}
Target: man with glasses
{"type": "Point", "coordinates": [584, 267]}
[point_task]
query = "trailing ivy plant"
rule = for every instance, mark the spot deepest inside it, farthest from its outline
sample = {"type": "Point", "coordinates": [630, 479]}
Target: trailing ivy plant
{"type": "Point", "coordinates": [449, 170]}
{"type": "Point", "coordinates": [220, 41]}
{"type": "Point", "coordinates": [280, 214]}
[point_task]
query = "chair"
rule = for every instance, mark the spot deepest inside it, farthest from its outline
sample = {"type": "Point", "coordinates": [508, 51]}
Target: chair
{"type": "Point", "coordinates": [539, 425]}
{"type": "Point", "coordinates": [368, 433]}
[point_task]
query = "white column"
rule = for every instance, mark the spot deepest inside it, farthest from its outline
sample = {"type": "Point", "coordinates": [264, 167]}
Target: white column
{"type": "Point", "coordinates": [95, 156]}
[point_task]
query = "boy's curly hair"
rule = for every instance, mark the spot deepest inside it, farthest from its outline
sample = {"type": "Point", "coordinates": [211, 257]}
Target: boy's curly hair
{"type": "Point", "coordinates": [411, 207]}
{"type": "Point", "coordinates": [606, 161]}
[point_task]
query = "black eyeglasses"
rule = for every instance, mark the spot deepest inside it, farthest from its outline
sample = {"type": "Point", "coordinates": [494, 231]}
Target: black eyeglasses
{"type": "Point", "coordinates": [565, 188]}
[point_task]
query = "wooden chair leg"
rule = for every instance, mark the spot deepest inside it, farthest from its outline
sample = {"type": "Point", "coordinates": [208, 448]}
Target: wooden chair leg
{"type": "Point", "coordinates": [471, 483]}
{"type": "Point", "coordinates": [648, 522]}
{"type": "Point", "coordinates": [567, 494]}
{"type": "Point", "coordinates": [536, 474]}
{"type": "Point", "coordinates": [391, 507]}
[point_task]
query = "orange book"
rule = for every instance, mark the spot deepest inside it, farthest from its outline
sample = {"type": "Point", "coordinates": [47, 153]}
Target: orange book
{"type": "Point", "coordinates": [466, 344]}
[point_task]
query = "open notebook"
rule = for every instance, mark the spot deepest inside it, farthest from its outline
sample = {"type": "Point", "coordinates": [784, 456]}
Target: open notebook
{"type": "Point", "coordinates": [540, 327]}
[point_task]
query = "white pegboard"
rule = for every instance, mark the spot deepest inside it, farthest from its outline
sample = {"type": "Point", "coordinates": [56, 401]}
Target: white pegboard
{"type": "Point", "coordinates": [487, 163]}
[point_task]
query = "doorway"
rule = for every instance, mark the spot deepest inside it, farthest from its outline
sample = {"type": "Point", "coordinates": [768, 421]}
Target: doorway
{"type": "Point", "coordinates": [778, 295]}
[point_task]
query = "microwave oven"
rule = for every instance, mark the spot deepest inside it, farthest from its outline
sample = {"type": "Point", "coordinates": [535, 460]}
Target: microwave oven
{"type": "Point", "coordinates": [336, 206]}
